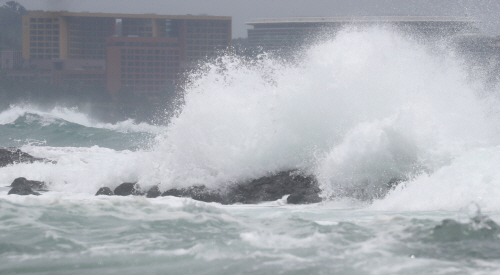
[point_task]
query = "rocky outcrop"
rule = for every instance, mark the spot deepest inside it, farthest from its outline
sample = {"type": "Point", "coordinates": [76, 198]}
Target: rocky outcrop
{"type": "Point", "coordinates": [302, 189]}
{"type": "Point", "coordinates": [11, 156]}
{"type": "Point", "coordinates": [154, 192]}
{"type": "Point", "coordinates": [33, 184]}
{"type": "Point", "coordinates": [303, 198]}
{"type": "Point", "coordinates": [128, 188]}
{"type": "Point", "coordinates": [22, 186]}
{"type": "Point", "coordinates": [104, 191]}
{"type": "Point", "coordinates": [200, 193]}
{"type": "Point", "coordinates": [23, 191]}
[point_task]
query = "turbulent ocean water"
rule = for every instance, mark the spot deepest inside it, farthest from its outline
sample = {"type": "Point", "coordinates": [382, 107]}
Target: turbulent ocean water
{"type": "Point", "coordinates": [356, 111]}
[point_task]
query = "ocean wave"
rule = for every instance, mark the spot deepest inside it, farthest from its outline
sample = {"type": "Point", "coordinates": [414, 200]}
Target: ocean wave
{"type": "Point", "coordinates": [62, 115]}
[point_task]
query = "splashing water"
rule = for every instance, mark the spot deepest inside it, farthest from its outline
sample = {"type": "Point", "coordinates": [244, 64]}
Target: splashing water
{"type": "Point", "coordinates": [357, 111]}
{"type": "Point", "coordinates": [361, 110]}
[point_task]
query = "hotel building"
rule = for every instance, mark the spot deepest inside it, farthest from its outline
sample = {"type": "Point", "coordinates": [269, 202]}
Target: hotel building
{"type": "Point", "coordinates": [143, 52]}
{"type": "Point", "coordinates": [284, 34]}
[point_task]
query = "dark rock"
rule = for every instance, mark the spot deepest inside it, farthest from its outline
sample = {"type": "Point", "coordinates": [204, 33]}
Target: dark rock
{"type": "Point", "coordinates": [301, 188]}
{"type": "Point", "coordinates": [274, 187]}
{"type": "Point", "coordinates": [303, 198]}
{"type": "Point", "coordinates": [199, 192]}
{"type": "Point", "coordinates": [207, 195]}
{"type": "Point", "coordinates": [153, 192]}
{"type": "Point", "coordinates": [104, 191]}
{"type": "Point", "coordinates": [128, 188]}
{"type": "Point", "coordinates": [33, 184]}
{"type": "Point", "coordinates": [22, 190]}
{"type": "Point", "coordinates": [11, 156]}
{"type": "Point", "coordinates": [175, 193]}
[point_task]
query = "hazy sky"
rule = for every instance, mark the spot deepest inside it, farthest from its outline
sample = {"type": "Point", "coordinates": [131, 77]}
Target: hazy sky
{"type": "Point", "coordinates": [488, 11]}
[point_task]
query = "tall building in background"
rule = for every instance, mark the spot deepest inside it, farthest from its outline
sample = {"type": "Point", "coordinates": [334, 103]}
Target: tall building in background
{"type": "Point", "coordinates": [140, 52]}
{"type": "Point", "coordinates": [147, 66]}
{"type": "Point", "coordinates": [288, 34]}
{"type": "Point", "coordinates": [11, 60]}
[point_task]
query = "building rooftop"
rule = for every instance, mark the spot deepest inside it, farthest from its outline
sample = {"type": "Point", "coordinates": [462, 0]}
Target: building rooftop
{"type": "Point", "coordinates": [362, 19]}
{"type": "Point", "coordinates": [123, 15]}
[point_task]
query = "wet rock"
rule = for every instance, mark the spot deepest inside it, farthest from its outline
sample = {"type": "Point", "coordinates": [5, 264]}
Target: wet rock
{"type": "Point", "coordinates": [32, 184]}
{"type": "Point", "coordinates": [22, 190]}
{"type": "Point", "coordinates": [153, 192]}
{"type": "Point", "coordinates": [128, 188]}
{"type": "Point", "coordinates": [301, 188]}
{"type": "Point", "coordinates": [303, 198]}
{"type": "Point", "coordinates": [175, 193]}
{"type": "Point", "coordinates": [207, 195]}
{"type": "Point", "coordinates": [10, 156]}
{"type": "Point", "coordinates": [199, 192]}
{"type": "Point", "coordinates": [304, 188]}
{"type": "Point", "coordinates": [104, 191]}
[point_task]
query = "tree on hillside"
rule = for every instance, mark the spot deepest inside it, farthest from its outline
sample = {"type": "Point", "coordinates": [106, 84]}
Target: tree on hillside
{"type": "Point", "coordinates": [11, 15]}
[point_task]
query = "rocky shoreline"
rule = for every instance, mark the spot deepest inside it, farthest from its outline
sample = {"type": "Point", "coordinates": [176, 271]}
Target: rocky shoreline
{"type": "Point", "coordinates": [10, 156]}
{"type": "Point", "coordinates": [301, 188]}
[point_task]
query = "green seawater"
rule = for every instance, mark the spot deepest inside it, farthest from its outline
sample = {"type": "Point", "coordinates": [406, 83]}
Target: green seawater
{"type": "Point", "coordinates": [60, 233]}
{"type": "Point", "coordinates": [36, 129]}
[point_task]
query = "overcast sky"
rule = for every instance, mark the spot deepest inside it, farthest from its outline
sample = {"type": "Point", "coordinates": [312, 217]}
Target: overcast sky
{"type": "Point", "coordinates": [488, 11]}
